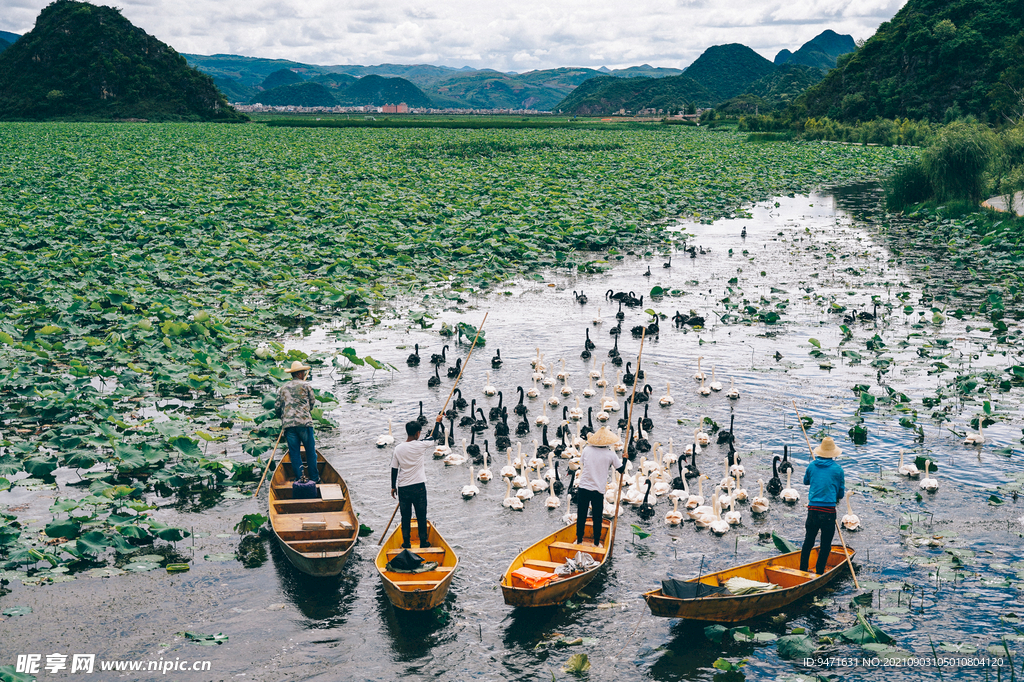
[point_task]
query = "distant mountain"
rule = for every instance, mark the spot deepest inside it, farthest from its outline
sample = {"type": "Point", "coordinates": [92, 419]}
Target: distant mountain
{"type": "Point", "coordinates": [728, 70]}
{"type": "Point", "coordinates": [335, 81]}
{"type": "Point", "coordinates": [934, 58]}
{"type": "Point", "coordinates": [298, 95]}
{"type": "Point", "coordinates": [493, 90]}
{"type": "Point", "coordinates": [775, 91]}
{"type": "Point", "coordinates": [281, 77]}
{"type": "Point", "coordinates": [4, 44]}
{"type": "Point", "coordinates": [9, 37]}
{"type": "Point", "coordinates": [645, 70]}
{"type": "Point", "coordinates": [85, 61]}
{"type": "Point", "coordinates": [607, 95]}
{"type": "Point", "coordinates": [379, 91]}
{"type": "Point", "coordinates": [233, 90]}
{"type": "Point", "coordinates": [782, 57]}
{"type": "Point", "coordinates": [821, 52]}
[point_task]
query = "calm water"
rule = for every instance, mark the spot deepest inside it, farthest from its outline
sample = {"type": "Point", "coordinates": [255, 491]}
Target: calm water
{"type": "Point", "coordinates": [283, 625]}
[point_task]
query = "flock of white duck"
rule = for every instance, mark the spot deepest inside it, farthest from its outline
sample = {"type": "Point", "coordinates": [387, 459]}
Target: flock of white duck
{"type": "Point", "coordinates": [531, 474]}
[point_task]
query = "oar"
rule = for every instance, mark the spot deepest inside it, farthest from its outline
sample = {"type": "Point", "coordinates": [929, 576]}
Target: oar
{"type": "Point", "coordinates": [625, 450]}
{"type": "Point", "coordinates": [272, 455]}
{"type": "Point", "coordinates": [839, 530]}
{"type": "Point", "coordinates": [443, 408]}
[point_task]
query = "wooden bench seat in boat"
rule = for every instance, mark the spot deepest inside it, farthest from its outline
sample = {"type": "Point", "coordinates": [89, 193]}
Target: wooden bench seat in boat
{"type": "Point", "coordinates": [428, 553]}
{"type": "Point", "coordinates": [549, 566]}
{"type": "Point", "coordinates": [560, 551]}
{"type": "Point", "coordinates": [311, 505]}
{"type": "Point", "coordinates": [787, 577]}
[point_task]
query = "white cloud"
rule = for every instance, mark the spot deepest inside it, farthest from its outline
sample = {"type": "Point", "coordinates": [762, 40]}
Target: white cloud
{"type": "Point", "coordinates": [529, 34]}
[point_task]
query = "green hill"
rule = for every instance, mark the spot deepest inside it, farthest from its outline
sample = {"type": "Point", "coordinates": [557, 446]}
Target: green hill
{"type": "Point", "coordinates": [379, 91]}
{"type": "Point", "coordinates": [296, 95]}
{"type": "Point", "coordinates": [728, 70]}
{"type": "Point", "coordinates": [233, 90]}
{"type": "Point", "coordinates": [608, 94]}
{"type": "Point", "coordinates": [81, 61]}
{"type": "Point", "coordinates": [645, 70]}
{"type": "Point", "coordinates": [281, 77]}
{"type": "Point", "coordinates": [334, 81]}
{"type": "Point", "coordinates": [933, 57]}
{"type": "Point", "coordinates": [783, 85]}
{"type": "Point", "coordinates": [495, 90]}
{"type": "Point", "coordinates": [4, 44]}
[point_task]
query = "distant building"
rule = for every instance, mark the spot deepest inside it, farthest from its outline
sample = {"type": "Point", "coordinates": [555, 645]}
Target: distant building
{"type": "Point", "coordinates": [402, 108]}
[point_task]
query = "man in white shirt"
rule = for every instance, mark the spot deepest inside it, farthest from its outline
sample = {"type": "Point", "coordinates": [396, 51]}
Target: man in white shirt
{"type": "Point", "coordinates": [409, 479]}
{"type": "Point", "coordinates": [595, 460]}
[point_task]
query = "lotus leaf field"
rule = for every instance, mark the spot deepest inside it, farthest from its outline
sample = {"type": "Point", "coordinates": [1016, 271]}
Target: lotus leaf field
{"type": "Point", "coordinates": [148, 269]}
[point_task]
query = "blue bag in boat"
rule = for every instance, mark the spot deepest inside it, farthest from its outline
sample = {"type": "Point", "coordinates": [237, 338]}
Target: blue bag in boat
{"type": "Point", "coordinates": [304, 489]}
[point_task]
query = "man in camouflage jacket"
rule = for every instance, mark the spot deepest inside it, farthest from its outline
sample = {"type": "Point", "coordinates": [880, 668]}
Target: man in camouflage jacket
{"type": "Point", "coordinates": [295, 400]}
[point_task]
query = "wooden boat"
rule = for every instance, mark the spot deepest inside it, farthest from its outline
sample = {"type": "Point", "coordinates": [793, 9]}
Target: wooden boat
{"type": "Point", "coordinates": [417, 591]}
{"type": "Point", "coordinates": [549, 554]}
{"type": "Point", "coordinates": [317, 535]}
{"type": "Point", "coordinates": [781, 570]}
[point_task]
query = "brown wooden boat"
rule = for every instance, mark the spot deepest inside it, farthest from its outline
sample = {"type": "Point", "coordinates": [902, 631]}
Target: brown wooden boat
{"type": "Point", "coordinates": [417, 591]}
{"type": "Point", "coordinates": [317, 535]}
{"type": "Point", "coordinates": [781, 570]}
{"type": "Point", "coordinates": [549, 554]}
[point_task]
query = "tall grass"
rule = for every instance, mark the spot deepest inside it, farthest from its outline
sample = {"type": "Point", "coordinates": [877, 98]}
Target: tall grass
{"type": "Point", "coordinates": [956, 163]}
{"type": "Point", "coordinates": [908, 186]}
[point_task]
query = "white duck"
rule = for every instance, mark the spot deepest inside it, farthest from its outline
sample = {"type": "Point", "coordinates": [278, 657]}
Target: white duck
{"type": "Point", "coordinates": [732, 394]}
{"type": "Point", "coordinates": [508, 471]}
{"type": "Point", "coordinates": [386, 440]}
{"type": "Point", "coordinates": [718, 526]}
{"type": "Point", "coordinates": [511, 501]}
{"type": "Point", "coordinates": [552, 501]}
{"type": "Point", "coordinates": [454, 459]}
{"type": "Point", "coordinates": [739, 494]}
{"type": "Point", "coordinates": [695, 501]}
{"type": "Point", "coordinates": [566, 390]}
{"type": "Point", "coordinates": [760, 504]}
{"type": "Point", "coordinates": [520, 480]}
{"type": "Point", "coordinates": [703, 390]}
{"type": "Point", "coordinates": [542, 418]}
{"type": "Point", "coordinates": [619, 387]}
{"type": "Point", "coordinates": [670, 457]}
{"type": "Point", "coordinates": [975, 438]}
{"type": "Point", "coordinates": [666, 400]}
{"type": "Point", "coordinates": [789, 494]}
{"type": "Point", "coordinates": [538, 484]}
{"type": "Point", "coordinates": [533, 392]}
{"type": "Point", "coordinates": [519, 459]}
{"type": "Point", "coordinates": [576, 413]}
{"type": "Point", "coordinates": [525, 493]}
{"type": "Point", "coordinates": [733, 517]}
{"type": "Point", "coordinates": [700, 376]}
{"type": "Point", "coordinates": [674, 517]}
{"type": "Point", "coordinates": [589, 391]}
{"type": "Point", "coordinates": [598, 320]}
{"type": "Point", "coordinates": [909, 470]}
{"type": "Point", "coordinates": [850, 520]}
{"type": "Point", "coordinates": [602, 382]}
{"type": "Point", "coordinates": [929, 483]}
{"type": "Point", "coordinates": [469, 491]}
{"type": "Point", "coordinates": [489, 390]}
{"type": "Point", "coordinates": [594, 373]}
{"type": "Point", "coordinates": [563, 375]}
{"type": "Point", "coordinates": [536, 361]}
{"type": "Point", "coordinates": [535, 462]}
{"type": "Point", "coordinates": [553, 399]}
{"type": "Point", "coordinates": [715, 386]}
{"type": "Point", "coordinates": [702, 437]}
{"type": "Point", "coordinates": [603, 416]}
{"type": "Point", "coordinates": [485, 475]}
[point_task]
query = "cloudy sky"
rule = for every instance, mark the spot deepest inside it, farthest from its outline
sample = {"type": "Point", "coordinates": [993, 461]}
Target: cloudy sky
{"type": "Point", "coordinates": [517, 36]}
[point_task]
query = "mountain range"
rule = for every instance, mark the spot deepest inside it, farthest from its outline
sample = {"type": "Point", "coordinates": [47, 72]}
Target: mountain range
{"type": "Point", "coordinates": [723, 71]}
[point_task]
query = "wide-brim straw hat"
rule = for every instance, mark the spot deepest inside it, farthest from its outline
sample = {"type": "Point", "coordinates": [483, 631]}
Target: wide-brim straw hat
{"type": "Point", "coordinates": [828, 449]}
{"type": "Point", "coordinates": [297, 367]}
{"type": "Point", "coordinates": [602, 437]}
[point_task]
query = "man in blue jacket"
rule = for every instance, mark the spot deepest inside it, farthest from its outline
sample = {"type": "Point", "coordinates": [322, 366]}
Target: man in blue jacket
{"type": "Point", "coordinates": [828, 487]}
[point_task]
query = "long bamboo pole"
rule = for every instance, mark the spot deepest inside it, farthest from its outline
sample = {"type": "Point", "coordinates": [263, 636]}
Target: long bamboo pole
{"type": "Point", "coordinates": [625, 448]}
{"type": "Point", "coordinates": [443, 408]}
{"type": "Point", "coordinates": [842, 540]}
{"type": "Point", "coordinates": [269, 462]}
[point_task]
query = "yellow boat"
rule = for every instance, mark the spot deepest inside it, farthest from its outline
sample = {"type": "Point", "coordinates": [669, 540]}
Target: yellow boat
{"type": "Point", "coordinates": [417, 591]}
{"type": "Point", "coordinates": [317, 535]}
{"type": "Point", "coordinates": [782, 570]}
{"type": "Point", "coordinates": [547, 555]}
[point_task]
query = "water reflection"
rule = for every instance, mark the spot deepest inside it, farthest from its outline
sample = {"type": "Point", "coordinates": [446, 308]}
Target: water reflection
{"type": "Point", "coordinates": [413, 635]}
{"type": "Point", "coordinates": [324, 602]}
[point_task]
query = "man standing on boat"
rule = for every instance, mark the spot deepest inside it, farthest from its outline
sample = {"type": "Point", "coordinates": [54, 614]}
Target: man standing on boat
{"type": "Point", "coordinates": [409, 479]}
{"type": "Point", "coordinates": [294, 403]}
{"type": "Point", "coordinates": [828, 487]}
{"type": "Point", "coordinates": [595, 460]}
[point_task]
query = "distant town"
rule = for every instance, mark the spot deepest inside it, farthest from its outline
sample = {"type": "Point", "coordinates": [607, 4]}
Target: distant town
{"type": "Point", "coordinates": [402, 108]}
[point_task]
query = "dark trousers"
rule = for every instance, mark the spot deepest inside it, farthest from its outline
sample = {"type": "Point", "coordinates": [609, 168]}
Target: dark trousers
{"type": "Point", "coordinates": [594, 501]}
{"type": "Point", "coordinates": [818, 521]}
{"type": "Point", "coordinates": [297, 436]}
{"type": "Point", "coordinates": [409, 497]}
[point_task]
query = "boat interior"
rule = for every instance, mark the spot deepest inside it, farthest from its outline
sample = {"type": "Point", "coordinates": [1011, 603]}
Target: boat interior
{"type": "Point", "coordinates": [319, 527]}
{"type": "Point", "coordinates": [783, 570]}
{"type": "Point", "coordinates": [438, 552]}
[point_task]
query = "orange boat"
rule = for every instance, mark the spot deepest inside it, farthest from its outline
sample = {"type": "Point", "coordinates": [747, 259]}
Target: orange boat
{"type": "Point", "coordinates": [547, 555]}
{"type": "Point", "coordinates": [417, 591]}
{"type": "Point", "coordinates": [782, 570]}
